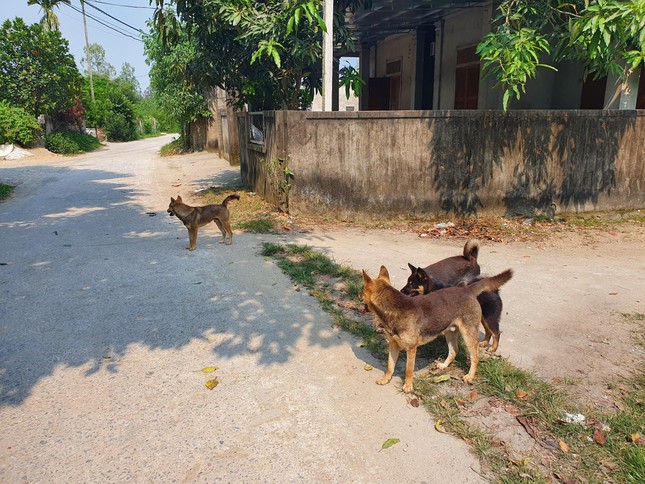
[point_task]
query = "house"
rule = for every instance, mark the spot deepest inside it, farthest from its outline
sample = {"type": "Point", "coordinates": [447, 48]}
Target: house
{"type": "Point", "coordinates": [430, 137]}
{"type": "Point", "coordinates": [420, 54]}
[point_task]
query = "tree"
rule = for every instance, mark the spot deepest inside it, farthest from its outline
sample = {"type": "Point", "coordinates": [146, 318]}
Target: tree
{"type": "Point", "coordinates": [37, 71]}
{"type": "Point", "coordinates": [129, 81]}
{"type": "Point", "coordinates": [100, 65]}
{"type": "Point", "coordinates": [606, 36]}
{"type": "Point", "coordinates": [172, 87]}
{"type": "Point", "coordinates": [49, 21]}
{"type": "Point", "coordinates": [266, 54]}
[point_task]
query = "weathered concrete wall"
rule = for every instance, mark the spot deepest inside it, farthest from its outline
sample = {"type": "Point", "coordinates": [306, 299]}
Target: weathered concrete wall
{"type": "Point", "coordinates": [468, 162]}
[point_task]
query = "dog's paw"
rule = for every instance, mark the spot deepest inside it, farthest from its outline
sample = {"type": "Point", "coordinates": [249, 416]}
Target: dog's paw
{"type": "Point", "coordinates": [384, 380]}
{"type": "Point", "coordinates": [407, 387]}
{"type": "Point", "coordinates": [468, 379]}
{"type": "Point", "coordinates": [441, 365]}
{"type": "Point", "coordinates": [191, 248]}
{"type": "Point", "coordinates": [483, 344]}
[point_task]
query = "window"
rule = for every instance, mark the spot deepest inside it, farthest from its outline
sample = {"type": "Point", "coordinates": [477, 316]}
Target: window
{"type": "Point", "coordinates": [467, 79]}
{"type": "Point", "coordinates": [393, 72]}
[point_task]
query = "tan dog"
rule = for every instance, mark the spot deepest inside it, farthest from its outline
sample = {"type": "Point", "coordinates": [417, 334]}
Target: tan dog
{"type": "Point", "coordinates": [195, 217]}
{"type": "Point", "coordinates": [410, 322]}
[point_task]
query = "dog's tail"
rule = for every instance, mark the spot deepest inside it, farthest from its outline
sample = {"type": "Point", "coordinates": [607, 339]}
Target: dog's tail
{"type": "Point", "coordinates": [471, 249]}
{"type": "Point", "coordinates": [491, 283]}
{"type": "Point", "coordinates": [235, 196]}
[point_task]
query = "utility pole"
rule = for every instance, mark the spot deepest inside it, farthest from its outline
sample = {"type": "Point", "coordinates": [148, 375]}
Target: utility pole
{"type": "Point", "coordinates": [87, 53]}
{"type": "Point", "coordinates": [328, 54]}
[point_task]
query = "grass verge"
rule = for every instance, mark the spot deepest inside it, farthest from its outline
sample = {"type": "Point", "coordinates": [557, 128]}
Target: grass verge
{"type": "Point", "coordinates": [608, 446]}
{"type": "Point", "coordinates": [249, 213]}
{"type": "Point", "coordinates": [5, 191]}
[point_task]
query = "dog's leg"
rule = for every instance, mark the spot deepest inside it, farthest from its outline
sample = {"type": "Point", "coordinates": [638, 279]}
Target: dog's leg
{"type": "Point", "coordinates": [487, 334]}
{"type": "Point", "coordinates": [227, 227]}
{"type": "Point", "coordinates": [220, 226]}
{"type": "Point", "coordinates": [392, 358]}
{"type": "Point", "coordinates": [452, 338]}
{"type": "Point", "coordinates": [470, 334]}
{"type": "Point", "coordinates": [409, 369]}
{"type": "Point", "coordinates": [192, 238]}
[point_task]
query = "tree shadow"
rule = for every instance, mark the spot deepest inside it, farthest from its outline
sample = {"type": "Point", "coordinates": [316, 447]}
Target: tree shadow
{"type": "Point", "coordinates": [91, 276]}
{"type": "Point", "coordinates": [559, 160]}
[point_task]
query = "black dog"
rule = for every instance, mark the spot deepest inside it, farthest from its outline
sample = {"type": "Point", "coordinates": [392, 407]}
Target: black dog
{"type": "Point", "coordinates": [456, 271]}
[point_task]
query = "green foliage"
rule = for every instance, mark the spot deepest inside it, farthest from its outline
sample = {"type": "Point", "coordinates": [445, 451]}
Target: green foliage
{"type": "Point", "coordinates": [351, 80]}
{"type": "Point", "coordinates": [17, 125]}
{"type": "Point", "coordinates": [266, 54]}
{"type": "Point", "coordinates": [49, 20]}
{"type": "Point", "coordinates": [115, 109]}
{"type": "Point", "coordinates": [606, 36]}
{"type": "Point", "coordinates": [5, 191]}
{"type": "Point", "coordinates": [174, 92]}
{"type": "Point", "coordinates": [37, 72]}
{"type": "Point", "coordinates": [175, 147]}
{"type": "Point", "coordinates": [71, 142]}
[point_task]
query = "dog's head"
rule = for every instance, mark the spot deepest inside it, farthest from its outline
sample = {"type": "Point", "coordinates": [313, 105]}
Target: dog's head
{"type": "Point", "coordinates": [173, 202]}
{"type": "Point", "coordinates": [371, 286]}
{"type": "Point", "coordinates": [418, 282]}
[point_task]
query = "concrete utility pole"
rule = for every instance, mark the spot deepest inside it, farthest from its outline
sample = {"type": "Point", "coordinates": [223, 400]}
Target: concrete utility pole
{"type": "Point", "coordinates": [87, 53]}
{"type": "Point", "coordinates": [328, 55]}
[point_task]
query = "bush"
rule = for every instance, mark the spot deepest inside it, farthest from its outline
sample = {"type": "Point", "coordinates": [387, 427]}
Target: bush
{"type": "Point", "coordinates": [120, 127]}
{"type": "Point", "coordinates": [17, 125]}
{"type": "Point", "coordinates": [71, 142]}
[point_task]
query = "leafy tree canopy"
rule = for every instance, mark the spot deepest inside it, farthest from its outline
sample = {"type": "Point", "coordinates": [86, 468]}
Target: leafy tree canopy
{"type": "Point", "coordinates": [606, 36]}
{"type": "Point", "coordinates": [37, 71]}
{"type": "Point", "coordinates": [100, 65]}
{"type": "Point", "coordinates": [49, 20]}
{"type": "Point", "coordinates": [267, 54]}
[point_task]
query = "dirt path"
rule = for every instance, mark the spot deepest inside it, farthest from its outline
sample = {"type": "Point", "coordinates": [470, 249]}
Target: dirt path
{"type": "Point", "coordinates": [107, 322]}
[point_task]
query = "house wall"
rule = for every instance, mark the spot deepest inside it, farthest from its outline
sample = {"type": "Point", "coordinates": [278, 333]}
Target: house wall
{"type": "Point", "coordinates": [399, 47]}
{"type": "Point", "coordinates": [428, 163]}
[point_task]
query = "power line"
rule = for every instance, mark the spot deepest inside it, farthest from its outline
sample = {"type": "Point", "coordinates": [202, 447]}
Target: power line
{"type": "Point", "coordinates": [111, 27]}
{"type": "Point", "coordinates": [121, 5]}
{"type": "Point", "coordinates": [114, 18]}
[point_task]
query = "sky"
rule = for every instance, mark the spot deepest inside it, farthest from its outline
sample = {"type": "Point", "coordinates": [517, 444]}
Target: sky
{"type": "Point", "coordinates": [119, 47]}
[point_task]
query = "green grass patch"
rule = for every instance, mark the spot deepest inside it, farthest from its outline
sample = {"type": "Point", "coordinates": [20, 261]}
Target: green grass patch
{"type": "Point", "coordinates": [177, 146]}
{"type": "Point", "coordinates": [259, 226]}
{"type": "Point", "coordinates": [619, 459]}
{"type": "Point", "coordinates": [5, 191]}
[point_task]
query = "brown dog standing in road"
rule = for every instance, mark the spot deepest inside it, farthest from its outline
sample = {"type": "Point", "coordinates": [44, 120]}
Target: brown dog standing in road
{"type": "Point", "coordinates": [195, 217]}
{"type": "Point", "coordinates": [410, 322]}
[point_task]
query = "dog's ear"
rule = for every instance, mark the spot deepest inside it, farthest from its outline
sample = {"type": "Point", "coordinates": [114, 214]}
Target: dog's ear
{"type": "Point", "coordinates": [172, 200]}
{"type": "Point", "coordinates": [423, 275]}
{"type": "Point", "coordinates": [384, 274]}
{"type": "Point", "coordinates": [366, 279]}
{"type": "Point", "coordinates": [412, 268]}
{"type": "Point", "coordinates": [178, 198]}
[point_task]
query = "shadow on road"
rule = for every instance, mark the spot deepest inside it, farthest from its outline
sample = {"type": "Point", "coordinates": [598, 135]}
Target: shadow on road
{"type": "Point", "coordinates": [89, 274]}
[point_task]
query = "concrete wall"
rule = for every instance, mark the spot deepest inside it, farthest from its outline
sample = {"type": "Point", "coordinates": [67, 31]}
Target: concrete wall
{"type": "Point", "coordinates": [427, 163]}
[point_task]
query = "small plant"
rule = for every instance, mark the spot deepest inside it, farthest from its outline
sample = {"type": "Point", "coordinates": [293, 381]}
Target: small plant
{"type": "Point", "coordinates": [259, 226]}
{"type": "Point", "coordinates": [5, 191]}
{"type": "Point", "coordinates": [17, 125]}
{"type": "Point", "coordinates": [177, 146]}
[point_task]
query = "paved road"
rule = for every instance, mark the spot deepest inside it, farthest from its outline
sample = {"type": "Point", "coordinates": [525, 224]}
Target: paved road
{"type": "Point", "coordinates": [106, 322]}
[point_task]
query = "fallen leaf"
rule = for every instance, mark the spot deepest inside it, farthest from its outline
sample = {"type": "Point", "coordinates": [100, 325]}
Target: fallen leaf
{"type": "Point", "coordinates": [563, 446]}
{"type": "Point", "coordinates": [414, 402]}
{"type": "Point", "coordinates": [472, 396]}
{"type": "Point", "coordinates": [368, 368]}
{"type": "Point", "coordinates": [440, 378]}
{"type": "Point", "coordinates": [389, 443]}
{"type": "Point", "coordinates": [613, 293]}
{"type": "Point", "coordinates": [609, 465]}
{"type": "Point", "coordinates": [520, 462]}
{"type": "Point", "coordinates": [210, 384]}
{"type": "Point", "coordinates": [210, 369]}
{"type": "Point", "coordinates": [521, 394]}
{"type": "Point", "coordinates": [635, 438]}
{"type": "Point", "coordinates": [439, 426]}
{"type": "Point", "coordinates": [599, 437]}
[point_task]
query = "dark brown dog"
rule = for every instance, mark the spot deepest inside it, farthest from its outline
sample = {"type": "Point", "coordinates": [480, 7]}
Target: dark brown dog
{"type": "Point", "coordinates": [195, 217]}
{"type": "Point", "coordinates": [451, 270]}
{"type": "Point", "coordinates": [410, 322]}
{"type": "Point", "coordinates": [420, 283]}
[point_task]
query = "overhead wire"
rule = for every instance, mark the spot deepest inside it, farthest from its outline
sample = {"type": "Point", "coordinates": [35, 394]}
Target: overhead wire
{"type": "Point", "coordinates": [89, 4]}
{"type": "Point", "coordinates": [121, 5]}
{"type": "Point", "coordinates": [109, 26]}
